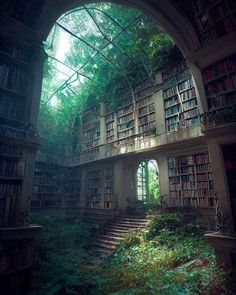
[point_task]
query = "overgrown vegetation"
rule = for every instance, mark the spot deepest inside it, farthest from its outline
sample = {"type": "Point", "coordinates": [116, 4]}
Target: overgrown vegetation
{"type": "Point", "coordinates": [169, 257]}
{"type": "Point", "coordinates": [110, 48]}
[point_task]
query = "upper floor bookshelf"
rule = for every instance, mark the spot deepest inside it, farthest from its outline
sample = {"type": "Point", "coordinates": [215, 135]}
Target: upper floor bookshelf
{"type": "Point", "coordinates": [110, 127]}
{"type": "Point", "coordinates": [212, 19]}
{"type": "Point", "coordinates": [180, 102]}
{"type": "Point", "coordinates": [91, 128]}
{"type": "Point", "coordinates": [220, 87]}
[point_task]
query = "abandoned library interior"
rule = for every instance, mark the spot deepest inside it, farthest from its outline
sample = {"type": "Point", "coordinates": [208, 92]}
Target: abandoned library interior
{"type": "Point", "coordinates": [117, 147]}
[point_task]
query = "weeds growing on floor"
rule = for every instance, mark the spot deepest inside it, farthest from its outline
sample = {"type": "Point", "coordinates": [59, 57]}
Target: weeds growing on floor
{"type": "Point", "coordinates": [169, 257]}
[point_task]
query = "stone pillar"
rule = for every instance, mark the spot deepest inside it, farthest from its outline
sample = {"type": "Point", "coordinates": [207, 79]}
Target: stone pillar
{"type": "Point", "coordinates": [83, 188]}
{"type": "Point", "coordinates": [33, 104]}
{"type": "Point", "coordinates": [163, 176]}
{"type": "Point", "coordinates": [102, 123]}
{"type": "Point", "coordinates": [220, 183]}
{"type": "Point", "coordinates": [199, 87]}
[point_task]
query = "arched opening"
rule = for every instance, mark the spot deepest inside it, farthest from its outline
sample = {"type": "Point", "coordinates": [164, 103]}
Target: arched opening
{"type": "Point", "coordinates": [148, 190]}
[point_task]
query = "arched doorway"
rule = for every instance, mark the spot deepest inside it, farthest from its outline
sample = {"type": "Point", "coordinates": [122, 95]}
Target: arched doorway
{"type": "Point", "coordinates": [147, 182]}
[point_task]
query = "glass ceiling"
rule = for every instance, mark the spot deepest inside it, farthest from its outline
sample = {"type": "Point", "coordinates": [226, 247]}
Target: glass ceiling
{"type": "Point", "coordinates": [96, 42]}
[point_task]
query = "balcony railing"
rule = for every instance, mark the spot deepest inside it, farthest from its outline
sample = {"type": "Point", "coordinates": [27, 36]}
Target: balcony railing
{"type": "Point", "coordinates": [133, 143]}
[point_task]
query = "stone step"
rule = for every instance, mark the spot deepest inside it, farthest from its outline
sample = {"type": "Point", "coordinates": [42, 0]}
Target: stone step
{"type": "Point", "coordinates": [104, 246]}
{"type": "Point", "coordinates": [119, 228]}
{"type": "Point", "coordinates": [109, 236]}
{"type": "Point", "coordinates": [108, 242]}
{"type": "Point", "coordinates": [129, 224]}
{"type": "Point", "coordinates": [133, 219]}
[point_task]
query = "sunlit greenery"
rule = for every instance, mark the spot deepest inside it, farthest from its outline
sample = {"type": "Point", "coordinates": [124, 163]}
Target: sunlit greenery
{"type": "Point", "coordinates": [111, 47]}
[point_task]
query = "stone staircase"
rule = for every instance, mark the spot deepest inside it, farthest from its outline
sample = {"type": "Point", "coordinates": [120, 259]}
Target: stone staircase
{"type": "Point", "coordinates": [113, 233]}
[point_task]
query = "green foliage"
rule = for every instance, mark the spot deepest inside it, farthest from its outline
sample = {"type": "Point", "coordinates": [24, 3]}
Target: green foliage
{"type": "Point", "coordinates": [168, 221]}
{"type": "Point", "coordinates": [175, 261]}
{"type": "Point", "coordinates": [133, 55]}
{"type": "Point", "coordinates": [62, 248]}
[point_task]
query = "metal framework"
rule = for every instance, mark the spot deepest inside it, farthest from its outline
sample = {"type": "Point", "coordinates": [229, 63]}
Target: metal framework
{"type": "Point", "coordinates": [97, 51]}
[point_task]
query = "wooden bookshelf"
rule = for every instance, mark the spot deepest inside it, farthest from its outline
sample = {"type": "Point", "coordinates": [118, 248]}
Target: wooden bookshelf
{"type": "Point", "coordinates": [12, 168]}
{"type": "Point", "coordinates": [94, 189]}
{"type": "Point", "coordinates": [180, 102]}
{"type": "Point", "coordinates": [71, 188]}
{"type": "Point", "coordinates": [190, 181]}
{"type": "Point", "coordinates": [108, 188]}
{"type": "Point", "coordinates": [220, 87]}
{"type": "Point", "coordinates": [15, 61]}
{"type": "Point", "coordinates": [126, 120]}
{"type": "Point", "coordinates": [146, 115]}
{"type": "Point", "coordinates": [212, 19]}
{"type": "Point", "coordinates": [91, 128]}
{"type": "Point", "coordinates": [48, 186]}
{"type": "Point", "coordinates": [110, 127]}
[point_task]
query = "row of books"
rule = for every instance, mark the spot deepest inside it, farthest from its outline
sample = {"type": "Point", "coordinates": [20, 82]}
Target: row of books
{"type": "Point", "coordinates": [9, 189]}
{"type": "Point", "coordinates": [144, 93]}
{"type": "Point", "coordinates": [110, 126]}
{"type": "Point", "coordinates": [188, 114]}
{"type": "Point", "coordinates": [185, 85]}
{"type": "Point", "coordinates": [109, 133]}
{"type": "Point", "coordinates": [169, 102]}
{"type": "Point", "coordinates": [188, 160]}
{"type": "Point", "coordinates": [147, 109]}
{"type": "Point", "coordinates": [45, 181]}
{"type": "Point", "coordinates": [91, 125]}
{"type": "Point", "coordinates": [11, 107]}
{"type": "Point", "coordinates": [126, 133]}
{"type": "Point", "coordinates": [8, 149]}
{"type": "Point", "coordinates": [91, 136]}
{"type": "Point", "coordinates": [148, 118]}
{"type": "Point", "coordinates": [129, 124]}
{"type": "Point", "coordinates": [11, 168]}
{"type": "Point", "coordinates": [14, 78]}
{"type": "Point", "coordinates": [126, 118]}
{"type": "Point", "coordinates": [227, 65]}
{"type": "Point", "coordinates": [110, 117]}
{"type": "Point", "coordinates": [125, 110]}
{"type": "Point", "coordinates": [173, 110]}
{"type": "Point", "coordinates": [188, 94]}
{"type": "Point", "coordinates": [203, 168]}
{"type": "Point", "coordinates": [191, 122]}
{"type": "Point", "coordinates": [186, 111]}
{"type": "Point", "coordinates": [149, 127]}
{"type": "Point", "coordinates": [177, 78]}
{"type": "Point", "coordinates": [91, 128]}
{"type": "Point", "coordinates": [8, 210]}
{"type": "Point", "coordinates": [189, 104]}
{"type": "Point", "coordinates": [221, 101]}
{"type": "Point", "coordinates": [143, 84]}
{"type": "Point", "coordinates": [172, 91]}
{"type": "Point", "coordinates": [174, 70]}
{"type": "Point", "coordinates": [222, 85]}
{"type": "Point", "coordinates": [144, 101]}
{"type": "Point", "coordinates": [15, 52]}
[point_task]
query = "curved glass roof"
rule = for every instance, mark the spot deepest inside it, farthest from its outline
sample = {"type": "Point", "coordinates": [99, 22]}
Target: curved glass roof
{"type": "Point", "coordinates": [97, 45]}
